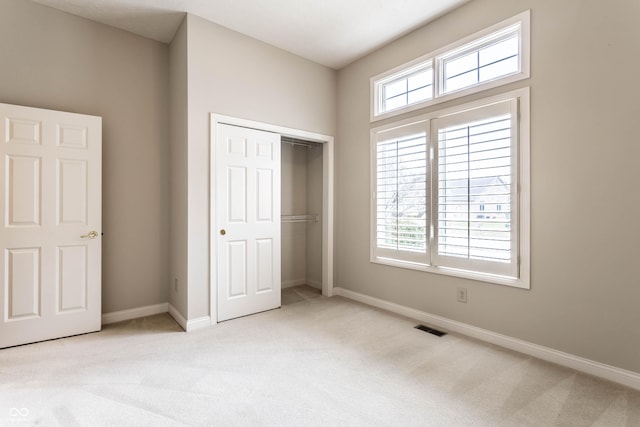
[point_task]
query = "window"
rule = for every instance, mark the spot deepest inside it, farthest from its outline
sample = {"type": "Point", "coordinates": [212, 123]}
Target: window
{"type": "Point", "coordinates": [475, 163]}
{"type": "Point", "coordinates": [401, 194]}
{"type": "Point", "coordinates": [483, 60]}
{"type": "Point", "coordinates": [407, 88]}
{"type": "Point", "coordinates": [450, 191]}
{"type": "Point", "coordinates": [495, 56]}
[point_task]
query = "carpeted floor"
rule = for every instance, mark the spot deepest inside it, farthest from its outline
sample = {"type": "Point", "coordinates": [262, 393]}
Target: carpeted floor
{"type": "Point", "coordinates": [316, 361]}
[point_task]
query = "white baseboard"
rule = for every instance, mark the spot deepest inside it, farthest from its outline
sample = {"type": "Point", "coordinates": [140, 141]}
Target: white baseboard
{"type": "Point", "coordinates": [134, 313]}
{"type": "Point", "coordinates": [199, 323]}
{"type": "Point", "coordinates": [189, 325]}
{"type": "Point", "coordinates": [173, 312]}
{"type": "Point", "coordinates": [611, 373]}
{"type": "Point", "coordinates": [292, 283]}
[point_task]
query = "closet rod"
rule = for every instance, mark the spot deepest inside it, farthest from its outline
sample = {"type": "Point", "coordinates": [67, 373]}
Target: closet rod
{"type": "Point", "coordinates": [297, 143]}
{"type": "Point", "coordinates": [300, 142]}
{"type": "Point", "coordinates": [300, 218]}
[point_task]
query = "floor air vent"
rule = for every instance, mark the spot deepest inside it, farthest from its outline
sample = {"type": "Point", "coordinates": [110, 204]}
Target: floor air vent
{"type": "Point", "coordinates": [431, 330]}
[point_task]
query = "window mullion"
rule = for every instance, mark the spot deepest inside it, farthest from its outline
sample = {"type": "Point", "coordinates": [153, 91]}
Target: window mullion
{"type": "Point", "coordinates": [432, 192]}
{"type": "Point", "coordinates": [468, 192]}
{"type": "Point", "coordinates": [397, 197]}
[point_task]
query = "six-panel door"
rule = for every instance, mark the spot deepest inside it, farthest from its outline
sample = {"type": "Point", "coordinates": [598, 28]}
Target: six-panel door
{"type": "Point", "coordinates": [247, 222]}
{"type": "Point", "coordinates": [50, 190]}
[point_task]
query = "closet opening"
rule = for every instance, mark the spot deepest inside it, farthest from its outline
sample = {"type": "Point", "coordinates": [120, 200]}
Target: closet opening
{"type": "Point", "coordinates": [301, 217]}
{"type": "Point", "coordinates": [271, 215]}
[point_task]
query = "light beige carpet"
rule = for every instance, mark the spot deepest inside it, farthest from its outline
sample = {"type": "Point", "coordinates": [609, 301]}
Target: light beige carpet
{"type": "Point", "coordinates": [316, 361]}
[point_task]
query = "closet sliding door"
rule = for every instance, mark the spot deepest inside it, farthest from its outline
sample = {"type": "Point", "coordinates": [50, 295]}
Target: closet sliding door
{"type": "Point", "coordinates": [247, 212]}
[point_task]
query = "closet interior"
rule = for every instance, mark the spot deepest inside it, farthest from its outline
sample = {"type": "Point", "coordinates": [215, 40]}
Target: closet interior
{"type": "Point", "coordinates": [301, 174]}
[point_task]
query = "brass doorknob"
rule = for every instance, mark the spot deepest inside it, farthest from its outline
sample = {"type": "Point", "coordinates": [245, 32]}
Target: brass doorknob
{"type": "Point", "coordinates": [90, 235]}
{"type": "Point", "coordinates": [223, 232]}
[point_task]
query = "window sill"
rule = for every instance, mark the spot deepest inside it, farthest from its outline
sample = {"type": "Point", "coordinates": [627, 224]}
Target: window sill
{"type": "Point", "coordinates": [463, 274]}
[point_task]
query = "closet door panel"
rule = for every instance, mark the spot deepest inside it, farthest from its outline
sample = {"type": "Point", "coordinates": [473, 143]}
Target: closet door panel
{"type": "Point", "coordinates": [247, 221]}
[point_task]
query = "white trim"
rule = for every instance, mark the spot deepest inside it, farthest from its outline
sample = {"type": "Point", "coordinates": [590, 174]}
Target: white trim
{"type": "Point", "coordinates": [199, 323]}
{"type": "Point", "coordinates": [134, 313]}
{"type": "Point", "coordinates": [150, 310]}
{"type": "Point", "coordinates": [327, 199]}
{"type": "Point", "coordinates": [292, 283]}
{"type": "Point", "coordinates": [608, 372]}
{"type": "Point", "coordinates": [173, 312]}
{"type": "Point", "coordinates": [523, 19]}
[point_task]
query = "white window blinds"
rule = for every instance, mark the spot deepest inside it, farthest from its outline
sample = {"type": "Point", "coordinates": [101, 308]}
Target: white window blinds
{"type": "Point", "coordinates": [450, 191]}
{"type": "Point", "coordinates": [475, 197]}
{"type": "Point", "coordinates": [401, 195]}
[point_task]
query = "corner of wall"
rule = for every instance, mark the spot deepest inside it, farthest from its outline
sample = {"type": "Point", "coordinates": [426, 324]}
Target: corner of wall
{"type": "Point", "coordinates": [178, 278]}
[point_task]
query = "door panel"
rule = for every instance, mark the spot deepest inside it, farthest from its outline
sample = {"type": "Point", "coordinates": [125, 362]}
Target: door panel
{"type": "Point", "coordinates": [23, 283]}
{"type": "Point", "coordinates": [72, 278]}
{"type": "Point", "coordinates": [72, 136]}
{"type": "Point", "coordinates": [72, 191]}
{"type": "Point", "coordinates": [247, 221]}
{"type": "Point", "coordinates": [50, 190]}
{"type": "Point", "coordinates": [237, 282]}
{"type": "Point", "coordinates": [237, 195]}
{"type": "Point", "coordinates": [264, 254]}
{"type": "Point", "coordinates": [22, 191]}
{"type": "Point", "coordinates": [264, 184]}
{"type": "Point", "coordinates": [23, 131]}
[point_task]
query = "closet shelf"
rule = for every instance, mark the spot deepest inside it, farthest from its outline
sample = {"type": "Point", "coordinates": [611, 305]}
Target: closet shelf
{"type": "Point", "coordinates": [300, 218]}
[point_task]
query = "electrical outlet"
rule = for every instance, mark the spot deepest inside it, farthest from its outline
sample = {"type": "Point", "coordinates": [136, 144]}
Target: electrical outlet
{"type": "Point", "coordinates": [462, 295]}
{"type": "Point", "coordinates": [175, 285]}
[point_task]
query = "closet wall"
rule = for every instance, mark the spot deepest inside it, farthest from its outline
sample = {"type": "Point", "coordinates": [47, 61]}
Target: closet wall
{"type": "Point", "coordinates": [301, 173]}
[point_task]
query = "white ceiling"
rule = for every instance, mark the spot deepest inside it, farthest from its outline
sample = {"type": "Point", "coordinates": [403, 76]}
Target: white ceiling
{"type": "Point", "coordinates": [330, 32]}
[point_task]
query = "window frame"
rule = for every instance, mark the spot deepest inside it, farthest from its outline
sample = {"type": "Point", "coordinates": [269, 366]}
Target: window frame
{"type": "Point", "coordinates": [522, 204]}
{"type": "Point", "coordinates": [435, 59]}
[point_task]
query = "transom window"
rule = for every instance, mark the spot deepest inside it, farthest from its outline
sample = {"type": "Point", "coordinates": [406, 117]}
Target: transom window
{"type": "Point", "coordinates": [407, 89]}
{"type": "Point", "coordinates": [495, 56]}
{"type": "Point", "coordinates": [487, 59]}
{"type": "Point", "coordinates": [450, 191]}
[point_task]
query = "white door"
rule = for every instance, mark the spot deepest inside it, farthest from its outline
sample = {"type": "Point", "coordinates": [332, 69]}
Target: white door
{"type": "Point", "coordinates": [50, 221]}
{"type": "Point", "coordinates": [247, 221]}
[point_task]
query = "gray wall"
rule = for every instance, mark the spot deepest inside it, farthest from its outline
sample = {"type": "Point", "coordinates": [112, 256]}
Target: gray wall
{"type": "Point", "coordinates": [585, 286]}
{"type": "Point", "coordinates": [179, 136]}
{"type": "Point", "coordinates": [229, 73]}
{"type": "Point", "coordinates": [58, 61]}
{"type": "Point", "coordinates": [315, 173]}
{"type": "Point", "coordinates": [293, 172]}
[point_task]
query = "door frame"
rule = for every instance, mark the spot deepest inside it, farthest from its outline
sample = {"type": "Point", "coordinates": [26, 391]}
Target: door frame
{"type": "Point", "coordinates": [327, 198]}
